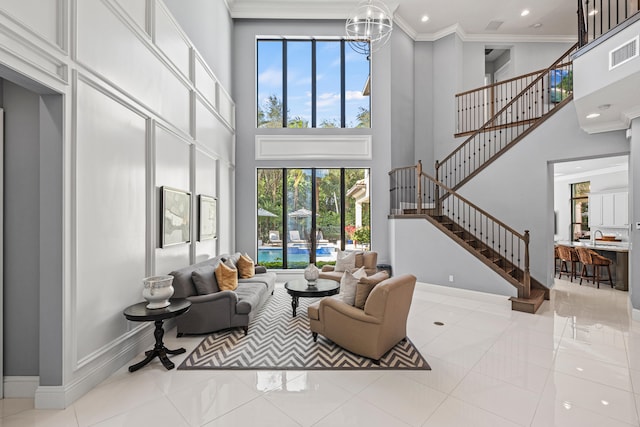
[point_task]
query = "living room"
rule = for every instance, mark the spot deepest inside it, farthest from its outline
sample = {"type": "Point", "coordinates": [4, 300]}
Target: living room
{"type": "Point", "coordinates": [135, 113]}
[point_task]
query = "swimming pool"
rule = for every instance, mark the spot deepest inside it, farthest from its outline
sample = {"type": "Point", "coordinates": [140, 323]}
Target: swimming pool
{"type": "Point", "coordinates": [295, 254]}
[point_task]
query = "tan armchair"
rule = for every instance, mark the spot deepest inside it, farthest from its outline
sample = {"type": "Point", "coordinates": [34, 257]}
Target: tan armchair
{"type": "Point", "coordinates": [371, 332]}
{"type": "Point", "coordinates": [367, 259]}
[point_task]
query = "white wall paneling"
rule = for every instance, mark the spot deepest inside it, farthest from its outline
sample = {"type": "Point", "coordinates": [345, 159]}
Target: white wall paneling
{"type": "Point", "coordinates": [137, 11]}
{"type": "Point", "coordinates": [169, 38]}
{"type": "Point", "coordinates": [204, 80]}
{"type": "Point", "coordinates": [211, 132]}
{"type": "Point", "coordinates": [28, 54]}
{"type": "Point", "coordinates": [295, 147]}
{"type": "Point", "coordinates": [163, 90]}
{"type": "Point", "coordinates": [173, 166]}
{"type": "Point", "coordinates": [205, 183]}
{"type": "Point", "coordinates": [45, 19]}
{"type": "Point", "coordinates": [226, 106]}
{"type": "Point", "coordinates": [129, 74]}
{"type": "Point", "coordinates": [110, 216]}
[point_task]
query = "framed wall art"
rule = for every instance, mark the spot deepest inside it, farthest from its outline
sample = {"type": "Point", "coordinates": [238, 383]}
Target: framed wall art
{"type": "Point", "coordinates": [207, 217]}
{"type": "Point", "coordinates": [176, 217]}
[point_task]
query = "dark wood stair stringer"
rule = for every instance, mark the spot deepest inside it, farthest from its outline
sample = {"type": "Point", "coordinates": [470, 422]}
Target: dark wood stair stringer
{"type": "Point", "coordinates": [495, 261]}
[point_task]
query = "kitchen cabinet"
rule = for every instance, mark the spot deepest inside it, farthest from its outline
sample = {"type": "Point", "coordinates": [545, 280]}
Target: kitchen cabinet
{"type": "Point", "coordinates": [609, 209]}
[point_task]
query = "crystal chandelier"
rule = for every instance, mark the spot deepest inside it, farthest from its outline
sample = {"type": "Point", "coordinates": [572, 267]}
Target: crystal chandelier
{"type": "Point", "coordinates": [369, 26]}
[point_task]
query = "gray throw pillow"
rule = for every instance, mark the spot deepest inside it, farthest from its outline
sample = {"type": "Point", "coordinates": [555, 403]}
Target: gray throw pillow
{"type": "Point", "coordinates": [204, 279]}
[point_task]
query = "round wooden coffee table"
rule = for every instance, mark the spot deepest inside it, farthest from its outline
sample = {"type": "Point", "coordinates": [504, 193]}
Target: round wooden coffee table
{"type": "Point", "coordinates": [300, 288]}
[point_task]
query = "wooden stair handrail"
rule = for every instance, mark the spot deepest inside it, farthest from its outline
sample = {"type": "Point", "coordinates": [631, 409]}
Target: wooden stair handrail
{"type": "Point", "coordinates": [509, 104]}
{"type": "Point", "coordinates": [480, 210]}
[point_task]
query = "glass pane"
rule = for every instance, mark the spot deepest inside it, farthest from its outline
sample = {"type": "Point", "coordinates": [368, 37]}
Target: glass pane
{"type": "Point", "coordinates": [298, 217]}
{"type": "Point", "coordinates": [357, 87]}
{"type": "Point", "coordinates": [269, 84]}
{"type": "Point", "coordinates": [357, 209]}
{"type": "Point", "coordinates": [328, 215]}
{"type": "Point", "coordinates": [328, 84]}
{"type": "Point", "coordinates": [581, 189]}
{"type": "Point", "coordinates": [269, 218]}
{"type": "Point", "coordinates": [298, 84]}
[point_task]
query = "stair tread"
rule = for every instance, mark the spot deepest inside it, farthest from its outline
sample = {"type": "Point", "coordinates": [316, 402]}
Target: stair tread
{"type": "Point", "coordinates": [535, 295]}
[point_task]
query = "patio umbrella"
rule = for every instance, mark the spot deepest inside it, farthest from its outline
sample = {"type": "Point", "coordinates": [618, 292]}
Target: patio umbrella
{"type": "Point", "coordinates": [264, 212]}
{"type": "Point", "coordinates": [300, 213]}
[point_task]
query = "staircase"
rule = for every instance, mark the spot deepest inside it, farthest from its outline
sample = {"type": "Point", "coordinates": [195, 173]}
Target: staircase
{"type": "Point", "coordinates": [518, 114]}
{"type": "Point", "coordinates": [501, 248]}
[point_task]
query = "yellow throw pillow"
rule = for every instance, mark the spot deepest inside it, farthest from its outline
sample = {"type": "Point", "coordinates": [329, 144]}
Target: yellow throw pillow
{"type": "Point", "coordinates": [226, 277]}
{"type": "Point", "coordinates": [246, 267]}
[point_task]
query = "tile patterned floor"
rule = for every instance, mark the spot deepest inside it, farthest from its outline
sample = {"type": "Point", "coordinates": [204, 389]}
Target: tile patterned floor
{"type": "Point", "coordinates": [575, 363]}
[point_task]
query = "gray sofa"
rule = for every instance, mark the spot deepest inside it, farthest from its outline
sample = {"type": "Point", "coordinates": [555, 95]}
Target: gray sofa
{"type": "Point", "coordinates": [212, 309]}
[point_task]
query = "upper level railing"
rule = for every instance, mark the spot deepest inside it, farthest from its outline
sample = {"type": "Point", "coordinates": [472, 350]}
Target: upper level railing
{"type": "Point", "coordinates": [411, 189]}
{"type": "Point", "coordinates": [596, 17]}
{"type": "Point", "coordinates": [474, 107]}
{"type": "Point", "coordinates": [551, 88]}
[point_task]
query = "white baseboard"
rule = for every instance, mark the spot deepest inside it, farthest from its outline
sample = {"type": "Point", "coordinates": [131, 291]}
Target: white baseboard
{"type": "Point", "coordinates": [20, 387]}
{"type": "Point", "coordinates": [463, 293]}
{"type": "Point", "coordinates": [112, 359]}
{"type": "Point", "coordinates": [635, 313]}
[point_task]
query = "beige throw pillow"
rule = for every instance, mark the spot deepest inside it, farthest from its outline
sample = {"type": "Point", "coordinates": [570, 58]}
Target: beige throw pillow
{"type": "Point", "coordinates": [365, 286]}
{"type": "Point", "coordinates": [246, 267]}
{"type": "Point", "coordinates": [226, 277]}
{"type": "Point", "coordinates": [346, 261]}
{"type": "Point", "coordinates": [348, 285]}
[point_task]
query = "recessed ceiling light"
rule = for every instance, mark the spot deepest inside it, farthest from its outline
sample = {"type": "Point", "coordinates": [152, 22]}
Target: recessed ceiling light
{"type": "Point", "coordinates": [593, 12]}
{"type": "Point", "coordinates": [524, 12]}
{"type": "Point", "coordinates": [593, 115]}
{"type": "Point", "coordinates": [604, 402]}
{"type": "Point", "coordinates": [424, 18]}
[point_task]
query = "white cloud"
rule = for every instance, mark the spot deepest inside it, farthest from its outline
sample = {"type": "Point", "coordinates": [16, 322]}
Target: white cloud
{"type": "Point", "coordinates": [354, 95]}
{"type": "Point", "coordinates": [327, 99]}
{"type": "Point", "coordinates": [270, 77]}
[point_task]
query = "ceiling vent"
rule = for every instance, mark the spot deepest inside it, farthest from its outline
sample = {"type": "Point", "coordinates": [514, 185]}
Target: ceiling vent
{"type": "Point", "coordinates": [624, 53]}
{"type": "Point", "coordinates": [494, 25]}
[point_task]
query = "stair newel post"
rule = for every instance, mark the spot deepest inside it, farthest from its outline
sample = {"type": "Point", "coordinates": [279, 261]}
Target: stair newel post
{"type": "Point", "coordinates": [419, 186]}
{"type": "Point", "coordinates": [527, 273]}
{"type": "Point", "coordinates": [437, 189]}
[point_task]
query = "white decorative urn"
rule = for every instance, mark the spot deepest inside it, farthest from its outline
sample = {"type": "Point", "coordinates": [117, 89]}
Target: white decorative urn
{"type": "Point", "coordinates": [157, 290]}
{"type": "Point", "coordinates": [311, 273]}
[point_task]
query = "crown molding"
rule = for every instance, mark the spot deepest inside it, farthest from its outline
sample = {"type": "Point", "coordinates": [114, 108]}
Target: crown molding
{"type": "Point", "coordinates": [339, 10]}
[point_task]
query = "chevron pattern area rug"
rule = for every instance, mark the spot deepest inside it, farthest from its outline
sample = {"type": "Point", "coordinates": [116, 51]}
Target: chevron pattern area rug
{"type": "Point", "coordinates": [278, 341]}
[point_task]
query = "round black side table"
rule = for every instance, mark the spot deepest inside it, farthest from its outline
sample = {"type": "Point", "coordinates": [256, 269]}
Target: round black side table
{"type": "Point", "coordinates": [140, 313]}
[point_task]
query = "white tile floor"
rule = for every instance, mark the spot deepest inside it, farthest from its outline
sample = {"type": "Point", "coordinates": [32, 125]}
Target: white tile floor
{"type": "Point", "coordinates": [575, 363]}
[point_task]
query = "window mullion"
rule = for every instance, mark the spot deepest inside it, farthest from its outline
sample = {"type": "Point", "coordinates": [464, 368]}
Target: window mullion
{"type": "Point", "coordinates": [313, 84]}
{"type": "Point", "coordinates": [343, 84]}
{"type": "Point", "coordinates": [284, 84]}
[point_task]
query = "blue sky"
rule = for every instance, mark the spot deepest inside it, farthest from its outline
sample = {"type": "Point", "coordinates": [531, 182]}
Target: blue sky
{"type": "Point", "coordinates": [299, 78]}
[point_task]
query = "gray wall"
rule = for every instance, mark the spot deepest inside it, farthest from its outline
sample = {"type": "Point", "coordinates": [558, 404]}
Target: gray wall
{"type": "Point", "coordinates": [518, 187]}
{"type": "Point", "coordinates": [51, 240]}
{"type": "Point", "coordinates": [402, 99]}
{"type": "Point", "coordinates": [244, 87]}
{"type": "Point", "coordinates": [423, 101]}
{"type": "Point", "coordinates": [208, 24]}
{"type": "Point", "coordinates": [21, 228]}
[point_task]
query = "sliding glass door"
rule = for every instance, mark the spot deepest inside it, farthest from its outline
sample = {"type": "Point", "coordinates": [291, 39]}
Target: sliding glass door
{"type": "Point", "coordinates": [311, 212]}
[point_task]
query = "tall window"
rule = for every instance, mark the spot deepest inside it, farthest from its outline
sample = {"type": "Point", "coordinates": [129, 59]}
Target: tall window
{"type": "Point", "coordinates": [305, 215]}
{"type": "Point", "coordinates": [311, 84]}
{"type": "Point", "coordinates": [580, 209]}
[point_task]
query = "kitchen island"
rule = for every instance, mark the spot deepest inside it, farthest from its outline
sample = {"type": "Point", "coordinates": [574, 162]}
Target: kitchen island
{"type": "Point", "coordinates": [617, 252]}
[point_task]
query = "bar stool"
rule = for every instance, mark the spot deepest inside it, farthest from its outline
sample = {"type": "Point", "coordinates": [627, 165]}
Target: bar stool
{"type": "Point", "coordinates": [567, 254]}
{"type": "Point", "coordinates": [596, 261]}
